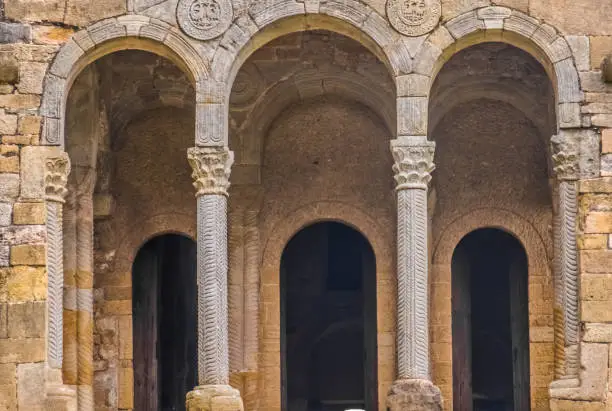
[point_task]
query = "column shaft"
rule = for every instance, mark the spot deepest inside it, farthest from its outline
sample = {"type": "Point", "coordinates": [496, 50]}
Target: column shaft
{"type": "Point", "coordinates": [412, 277]}
{"type": "Point", "coordinates": [213, 358]}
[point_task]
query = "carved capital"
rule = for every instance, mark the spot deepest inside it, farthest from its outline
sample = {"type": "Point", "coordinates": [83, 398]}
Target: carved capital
{"type": "Point", "coordinates": [57, 170]}
{"type": "Point", "coordinates": [413, 164]}
{"type": "Point", "coordinates": [211, 169]}
{"type": "Point", "coordinates": [566, 157]}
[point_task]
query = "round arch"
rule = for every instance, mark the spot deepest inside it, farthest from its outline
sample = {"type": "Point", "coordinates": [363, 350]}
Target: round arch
{"type": "Point", "coordinates": [538, 253]}
{"type": "Point", "coordinates": [132, 32]}
{"type": "Point", "coordinates": [283, 231]}
{"type": "Point", "coordinates": [502, 24]}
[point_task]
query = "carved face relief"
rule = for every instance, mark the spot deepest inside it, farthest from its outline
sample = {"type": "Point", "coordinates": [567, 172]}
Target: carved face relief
{"type": "Point", "coordinates": [204, 19]}
{"type": "Point", "coordinates": [205, 14]}
{"type": "Point", "coordinates": [414, 17]}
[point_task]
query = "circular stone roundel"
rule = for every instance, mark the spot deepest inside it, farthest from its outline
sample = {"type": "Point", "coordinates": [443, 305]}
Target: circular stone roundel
{"type": "Point", "coordinates": [204, 19]}
{"type": "Point", "coordinates": [414, 17]}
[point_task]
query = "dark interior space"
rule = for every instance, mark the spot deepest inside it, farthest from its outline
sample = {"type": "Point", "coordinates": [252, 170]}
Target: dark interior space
{"type": "Point", "coordinates": [165, 323]}
{"type": "Point", "coordinates": [328, 321]}
{"type": "Point", "coordinates": [490, 323]}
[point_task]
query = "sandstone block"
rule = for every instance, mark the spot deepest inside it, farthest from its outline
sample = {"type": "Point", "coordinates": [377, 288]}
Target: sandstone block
{"type": "Point", "coordinates": [29, 254]}
{"type": "Point", "coordinates": [596, 261]}
{"type": "Point", "coordinates": [601, 47]}
{"type": "Point", "coordinates": [32, 177]}
{"type": "Point", "coordinates": [8, 122]}
{"type": "Point", "coordinates": [7, 374]}
{"type": "Point", "coordinates": [596, 311]}
{"type": "Point", "coordinates": [31, 76]}
{"type": "Point", "coordinates": [8, 396]}
{"type": "Point", "coordinates": [567, 405]}
{"type": "Point", "coordinates": [9, 158]}
{"type": "Point", "coordinates": [593, 241]}
{"type": "Point", "coordinates": [599, 333]}
{"type": "Point", "coordinates": [3, 326]}
{"type": "Point", "coordinates": [26, 320]}
{"type": "Point", "coordinates": [596, 185]}
{"type": "Point", "coordinates": [51, 34]}
{"type": "Point", "coordinates": [24, 350]}
{"type": "Point", "coordinates": [9, 68]}
{"type": "Point", "coordinates": [31, 386]}
{"type": "Point", "coordinates": [84, 12]}
{"type": "Point", "coordinates": [6, 210]}
{"type": "Point", "coordinates": [9, 186]}
{"type": "Point", "coordinates": [4, 255]}
{"type": "Point", "coordinates": [29, 213]}
{"type": "Point", "coordinates": [15, 235]}
{"type": "Point", "coordinates": [126, 388]}
{"type": "Point", "coordinates": [26, 284]}
{"type": "Point", "coordinates": [15, 32]}
{"type": "Point", "coordinates": [598, 222]}
{"type": "Point", "coordinates": [29, 125]}
{"type": "Point", "coordinates": [15, 102]}
{"type": "Point", "coordinates": [35, 10]}
{"type": "Point", "coordinates": [596, 287]}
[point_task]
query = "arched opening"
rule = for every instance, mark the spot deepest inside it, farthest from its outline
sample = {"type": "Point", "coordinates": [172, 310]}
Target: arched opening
{"type": "Point", "coordinates": [164, 294]}
{"type": "Point", "coordinates": [328, 320]}
{"type": "Point", "coordinates": [490, 323]}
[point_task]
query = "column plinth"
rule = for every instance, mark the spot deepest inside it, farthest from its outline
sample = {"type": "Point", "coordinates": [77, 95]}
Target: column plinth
{"type": "Point", "coordinates": [211, 171]}
{"type": "Point", "coordinates": [413, 390]}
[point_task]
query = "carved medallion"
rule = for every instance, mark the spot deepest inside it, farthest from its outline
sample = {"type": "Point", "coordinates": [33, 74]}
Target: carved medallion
{"type": "Point", "coordinates": [204, 19]}
{"type": "Point", "coordinates": [414, 17]}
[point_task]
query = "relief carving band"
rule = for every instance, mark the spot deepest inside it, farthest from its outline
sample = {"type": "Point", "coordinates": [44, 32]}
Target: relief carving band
{"type": "Point", "coordinates": [204, 19]}
{"type": "Point", "coordinates": [414, 17]}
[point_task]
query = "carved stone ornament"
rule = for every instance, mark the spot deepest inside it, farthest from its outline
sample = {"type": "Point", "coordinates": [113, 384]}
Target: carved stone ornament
{"type": "Point", "coordinates": [565, 158]}
{"type": "Point", "coordinates": [211, 169]}
{"type": "Point", "coordinates": [57, 170]}
{"type": "Point", "coordinates": [414, 17]}
{"type": "Point", "coordinates": [413, 165]}
{"type": "Point", "coordinates": [204, 19]}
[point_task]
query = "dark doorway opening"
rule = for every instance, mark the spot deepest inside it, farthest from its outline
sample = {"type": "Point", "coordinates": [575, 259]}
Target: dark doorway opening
{"type": "Point", "coordinates": [328, 321]}
{"type": "Point", "coordinates": [164, 293]}
{"type": "Point", "coordinates": [490, 323]}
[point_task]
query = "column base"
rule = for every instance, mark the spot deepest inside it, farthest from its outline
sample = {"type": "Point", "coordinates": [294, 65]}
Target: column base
{"type": "Point", "coordinates": [214, 398]}
{"type": "Point", "coordinates": [414, 395]}
{"type": "Point", "coordinates": [61, 398]}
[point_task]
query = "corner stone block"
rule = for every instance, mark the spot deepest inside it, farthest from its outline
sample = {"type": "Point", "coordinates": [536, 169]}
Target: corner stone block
{"type": "Point", "coordinates": [33, 255]}
{"type": "Point", "coordinates": [29, 213]}
{"type": "Point", "coordinates": [31, 386]}
{"type": "Point", "coordinates": [33, 176]}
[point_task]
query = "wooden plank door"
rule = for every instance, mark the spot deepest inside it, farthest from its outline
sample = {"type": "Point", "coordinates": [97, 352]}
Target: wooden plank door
{"type": "Point", "coordinates": [462, 331]}
{"type": "Point", "coordinates": [146, 272]}
{"type": "Point", "coordinates": [368, 267]}
{"type": "Point", "coordinates": [519, 317]}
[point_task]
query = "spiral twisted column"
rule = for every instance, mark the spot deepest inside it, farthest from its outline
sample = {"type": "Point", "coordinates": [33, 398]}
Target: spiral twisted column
{"type": "Point", "coordinates": [413, 167]}
{"type": "Point", "coordinates": [57, 169]}
{"type": "Point", "coordinates": [566, 165]}
{"type": "Point", "coordinates": [211, 171]}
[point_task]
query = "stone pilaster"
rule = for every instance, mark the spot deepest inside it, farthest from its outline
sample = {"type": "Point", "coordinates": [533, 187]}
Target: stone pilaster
{"type": "Point", "coordinates": [59, 396]}
{"type": "Point", "coordinates": [413, 167]}
{"type": "Point", "coordinates": [211, 170]}
{"type": "Point", "coordinates": [566, 166]}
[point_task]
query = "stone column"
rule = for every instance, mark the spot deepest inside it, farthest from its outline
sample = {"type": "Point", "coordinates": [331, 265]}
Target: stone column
{"type": "Point", "coordinates": [59, 396]}
{"type": "Point", "coordinates": [211, 171]}
{"type": "Point", "coordinates": [413, 390]}
{"type": "Point", "coordinates": [567, 171]}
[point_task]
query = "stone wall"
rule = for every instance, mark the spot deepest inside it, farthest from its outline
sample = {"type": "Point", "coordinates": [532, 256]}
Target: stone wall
{"type": "Point", "coordinates": [31, 34]}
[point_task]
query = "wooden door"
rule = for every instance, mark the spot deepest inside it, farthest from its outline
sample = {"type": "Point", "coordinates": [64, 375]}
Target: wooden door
{"type": "Point", "coordinates": [519, 318]}
{"type": "Point", "coordinates": [462, 331]}
{"type": "Point", "coordinates": [369, 327]}
{"type": "Point", "coordinates": [146, 273]}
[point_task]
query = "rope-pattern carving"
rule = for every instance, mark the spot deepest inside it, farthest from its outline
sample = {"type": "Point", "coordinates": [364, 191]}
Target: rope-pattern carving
{"type": "Point", "coordinates": [213, 367]}
{"type": "Point", "coordinates": [85, 397]}
{"type": "Point", "coordinates": [236, 274]}
{"type": "Point", "coordinates": [559, 320]}
{"type": "Point", "coordinates": [56, 174]}
{"type": "Point", "coordinates": [251, 315]}
{"type": "Point", "coordinates": [413, 167]}
{"type": "Point", "coordinates": [70, 364]}
{"type": "Point", "coordinates": [55, 284]}
{"type": "Point", "coordinates": [413, 337]}
{"type": "Point", "coordinates": [568, 208]}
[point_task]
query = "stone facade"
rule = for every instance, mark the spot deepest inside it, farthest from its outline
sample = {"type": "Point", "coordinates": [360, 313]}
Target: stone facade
{"type": "Point", "coordinates": [105, 105]}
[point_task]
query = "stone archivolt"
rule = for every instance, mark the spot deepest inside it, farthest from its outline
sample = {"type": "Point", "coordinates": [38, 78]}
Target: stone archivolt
{"type": "Point", "coordinates": [211, 169]}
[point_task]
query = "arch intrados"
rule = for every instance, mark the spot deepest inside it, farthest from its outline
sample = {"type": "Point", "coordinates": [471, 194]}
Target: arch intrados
{"type": "Point", "coordinates": [163, 234]}
{"type": "Point", "coordinates": [497, 36]}
{"type": "Point", "coordinates": [500, 230]}
{"type": "Point", "coordinates": [300, 23]}
{"type": "Point", "coordinates": [526, 234]}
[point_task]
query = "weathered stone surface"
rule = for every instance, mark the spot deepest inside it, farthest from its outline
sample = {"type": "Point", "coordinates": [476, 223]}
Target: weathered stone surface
{"type": "Point", "coordinates": [32, 177]}
{"type": "Point", "coordinates": [598, 333]}
{"type": "Point", "coordinates": [8, 122]}
{"type": "Point", "coordinates": [15, 33]}
{"type": "Point", "coordinates": [31, 77]}
{"type": "Point", "coordinates": [51, 34]}
{"type": "Point", "coordinates": [29, 124]}
{"type": "Point", "coordinates": [31, 386]}
{"type": "Point", "coordinates": [414, 395]}
{"type": "Point", "coordinates": [9, 186]}
{"type": "Point", "coordinates": [28, 255]}
{"type": "Point", "coordinates": [16, 235]}
{"type": "Point", "coordinates": [22, 350]}
{"type": "Point", "coordinates": [5, 252]}
{"type": "Point", "coordinates": [25, 284]}
{"type": "Point", "coordinates": [27, 320]}
{"type": "Point", "coordinates": [214, 398]}
{"type": "Point", "coordinates": [29, 213]}
{"type": "Point", "coordinates": [5, 214]}
{"type": "Point", "coordinates": [9, 158]}
{"type": "Point", "coordinates": [84, 12]}
{"type": "Point", "coordinates": [9, 68]}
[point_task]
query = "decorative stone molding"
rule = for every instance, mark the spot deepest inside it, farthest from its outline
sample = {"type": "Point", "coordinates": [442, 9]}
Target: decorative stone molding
{"type": "Point", "coordinates": [414, 395]}
{"type": "Point", "coordinates": [414, 17]}
{"type": "Point", "coordinates": [211, 169]}
{"type": "Point", "coordinates": [56, 179]}
{"type": "Point", "coordinates": [565, 158]}
{"type": "Point", "coordinates": [214, 398]}
{"type": "Point", "coordinates": [204, 19]}
{"type": "Point", "coordinates": [413, 164]}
